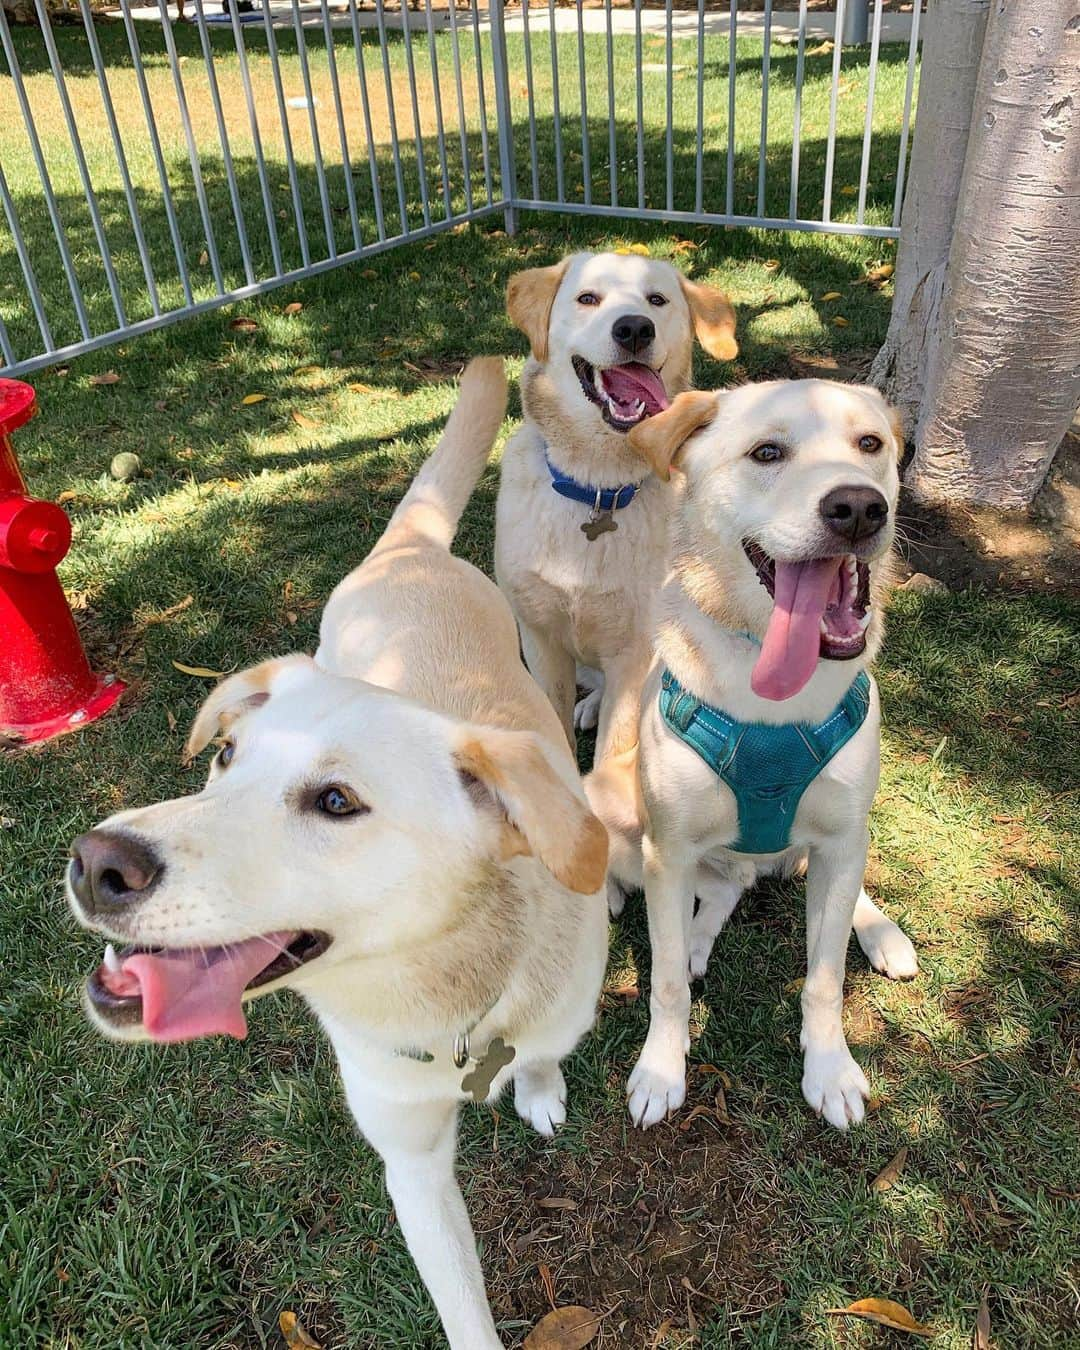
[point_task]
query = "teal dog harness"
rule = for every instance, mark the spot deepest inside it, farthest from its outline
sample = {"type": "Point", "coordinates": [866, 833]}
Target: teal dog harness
{"type": "Point", "coordinates": [768, 768]}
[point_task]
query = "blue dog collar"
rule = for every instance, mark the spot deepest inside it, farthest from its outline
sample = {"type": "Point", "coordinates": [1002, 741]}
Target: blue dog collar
{"type": "Point", "coordinates": [601, 500]}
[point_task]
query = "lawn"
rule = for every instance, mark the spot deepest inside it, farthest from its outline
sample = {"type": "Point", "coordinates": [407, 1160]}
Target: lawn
{"type": "Point", "coordinates": [183, 1196]}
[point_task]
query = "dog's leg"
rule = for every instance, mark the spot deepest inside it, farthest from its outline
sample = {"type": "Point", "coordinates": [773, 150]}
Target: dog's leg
{"type": "Point", "coordinates": [417, 1143]}
{"type": "Point", "coordinates": [658, 1082]}
{"type": "Point", "coordinates": [540, 1096]}
{"type": "Point", "coordinates": [620, 710]}
{"type": "Point", "coordinates": [833, 1083]}
{"type": "Point", "coordinates": [888, 948]}
{"type": "Point", "coordinates": [587, 708]}
{"type": "Point", "coordinates": [717, 895]}
{"type": "Point", "coordinates": [554, 670]}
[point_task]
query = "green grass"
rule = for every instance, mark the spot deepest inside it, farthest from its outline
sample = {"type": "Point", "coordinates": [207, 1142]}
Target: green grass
{"type": "Point", "coordinates": [182, 1196]}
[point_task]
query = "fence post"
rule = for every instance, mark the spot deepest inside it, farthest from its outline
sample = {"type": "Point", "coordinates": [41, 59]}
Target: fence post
{"type": "Point", "coordinates": [855, 23]}
{"type": "Point", "coordinates": [507, 168]}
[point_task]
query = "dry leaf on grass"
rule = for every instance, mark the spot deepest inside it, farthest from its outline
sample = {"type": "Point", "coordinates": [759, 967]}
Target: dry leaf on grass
{"type": "Point", "coordinates": [772, 265]}
{"type": "Point", "coordinates": [822, 49]}
{"type": "Point", "coordinates": [106, 377]}
{"type": "Point", "coordinates": [888, 1175]}
{"type": "Point", "coordinates": [67, 496]}
{"type": "Point", "coordinates": [306, 370]}
{"type": "Point", "coordinates": [203, 671]}
{"type": "Point", "coordinates": [170, 717]}
{"type": "Point", "coordinates": [981, 1338]}
{"type": "Point", "coordinates": [556, 1202]}
{"type": "Point", "coordinates": [242, 324]}
{"type": "Point", "coordinates": [163, 616]}
{"type": "Point", "coordinates": [840, 321]}
{"type": "Point", "coordinates": [831, 295]}
{"type": "Point", "coordinates": [563, 1329]}
{"type": "Point", "coordinates": [295, 1333]}
{"type": "Point", "coordinates": [548, 1282]}
{"type": "Point", "coordinates": [293, 308]}
{"type": "Point", "coordinates": [253, 398]}
{"type": "Point", "coordinates": [301, 420]}
{"type": "Point", "coordinates": [885, 1313]}
{"type": "Point", "coordinates": [204, 258]}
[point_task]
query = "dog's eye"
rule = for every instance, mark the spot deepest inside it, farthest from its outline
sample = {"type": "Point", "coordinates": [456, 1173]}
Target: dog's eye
{"type": "Point", "coordinates": [339, 800]}
{"type": "Point", "coordinates": [588, 298]}
{"type": "Point", "coordinates": [657, 299]}
{"type": "Point", "coordinates": [870, 445]}
{"type": "Point", "coordinates": [768, 453]}
{"type": "Point", "coordinates": [225, 754]}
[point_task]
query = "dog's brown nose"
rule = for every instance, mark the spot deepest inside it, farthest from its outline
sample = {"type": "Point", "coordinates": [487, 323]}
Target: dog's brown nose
{"type": "Point", "coordinates": [633, 332]}
{"type": "Point", "coordinates": [854, 513]}
{"type": "Point", "coordinates": [110, 871]}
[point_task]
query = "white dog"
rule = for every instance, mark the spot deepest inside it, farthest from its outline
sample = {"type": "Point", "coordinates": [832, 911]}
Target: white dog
{"type": "Point", "coordinates": [581, 525]}
{"type": "Point", "coordinates": [395, 830]}
{"type": "Point", "coordinates": [771, 612]}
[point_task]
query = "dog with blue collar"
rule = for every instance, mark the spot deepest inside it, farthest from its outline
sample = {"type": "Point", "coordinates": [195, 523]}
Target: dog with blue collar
{"type": "Point", "coordinates": [760, 721]}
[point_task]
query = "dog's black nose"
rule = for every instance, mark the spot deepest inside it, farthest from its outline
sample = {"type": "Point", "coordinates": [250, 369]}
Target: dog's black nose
{"type": "Point", "coordinates": [111, 871]}
{"type": "Point", "coordinates": [633, 332]}
{"type": "Point", "coordinates": [854, 513]}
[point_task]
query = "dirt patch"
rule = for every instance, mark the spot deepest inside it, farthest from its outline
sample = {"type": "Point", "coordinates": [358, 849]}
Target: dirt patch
{"type": "Point", "coordinates": [643, 1228]}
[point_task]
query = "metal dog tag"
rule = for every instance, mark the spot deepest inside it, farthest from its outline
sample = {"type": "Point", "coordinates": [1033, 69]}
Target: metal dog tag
{"type": "Point", "coordinates": [600, 522]}
{"type": "Point", "coordinates": [479, 1080]}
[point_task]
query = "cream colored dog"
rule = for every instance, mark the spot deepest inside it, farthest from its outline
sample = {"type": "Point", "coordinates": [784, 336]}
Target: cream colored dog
{"type": "Point", "coordinates": [612, 339]}
{"type": "Point", "coordinates": [397, 831]}
{"type": "Point", "coordinates": [781, 540]}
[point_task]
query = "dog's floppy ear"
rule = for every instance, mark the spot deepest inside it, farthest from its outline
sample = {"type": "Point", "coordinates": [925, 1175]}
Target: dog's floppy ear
{"type": "Point", "coordinates": [237, 695]}
{"type": "Point", "coordinates": [529, 298]}
{"type": "Point", "coordinates": [508, 771]}
{"type": "Point", "coordinates": [714, 319]}
{"type": "Point", "coordinates": [660, 438]}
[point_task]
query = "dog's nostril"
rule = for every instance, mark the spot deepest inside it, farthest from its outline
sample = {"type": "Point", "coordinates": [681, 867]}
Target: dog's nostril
{"type": "Point", "coordinates": [854, 512]}
{"type": "Point", "coordinates": [112, 870]}
{"type": "Point", "coordinates": [633, 332]}
{"type": "Point", "coordinates": [113, 882]}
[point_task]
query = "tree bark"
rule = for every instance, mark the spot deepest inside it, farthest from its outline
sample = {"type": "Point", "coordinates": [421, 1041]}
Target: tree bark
{"type": "Point", "coordinates": [1004, 372]}
{"type": "Point", "coordinates": [952, 46]}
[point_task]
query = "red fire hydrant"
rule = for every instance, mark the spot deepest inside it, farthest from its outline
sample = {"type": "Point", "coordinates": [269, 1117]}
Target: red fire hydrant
{"type": "Point", "coordinates": [46, 684]}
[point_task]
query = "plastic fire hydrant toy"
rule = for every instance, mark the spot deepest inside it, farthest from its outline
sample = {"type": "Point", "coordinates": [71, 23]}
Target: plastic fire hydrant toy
{"type": "Point", "coordinates": [46, 684]}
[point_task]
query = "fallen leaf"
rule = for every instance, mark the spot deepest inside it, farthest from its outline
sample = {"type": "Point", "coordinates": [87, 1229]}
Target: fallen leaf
{"type": "Point", "coordinates": [414, 276]}
{"type": "Point", "coordinates": [203, 671]}
{"type": "Point", "coordinates": [253, 398]}
{"type": "Point", "coordinates": [568, 1328]}
{"type": "Point", "coordinates": [166, 614]}
{"type": "Point", "coordinates": [242, 324]}
{"type": "Point", "coordinates": [981, 1339]}
{"type": "Point", "coordinates": [295, 1333]}
{"type": "Point", "coordinates": [795, 986]}
{"type": "Point", "coordinates": [170, 717]}
{"type": "Point", "coordinates": [301, 420]}
{"type": "Point", "coordinates": [556, 1202]}
{"type": "Point", "coordinates": [161, 405]}
{"type": "Point", "coordinates": [772, 265]}
{"type": "Point", "coordinates": [832, 295]}
{"type": "Point", "coordinates": [548, 1282]}
{"type": "Point", "coordinates": [822, 49]}
{"type": "Point", "coordinates": [884, 1312]}
{"type": "Point", "coordinates": [661, 1332]}
{"type": "Point", "coordinates": [306, 370]}
{"type": "Point", "coordinates": [840, 321]}
{"type": "Point", "coordinates": [888, 1175]}
{"type": "Point", "coordinates": [107, 377]}
{"type": "Point", "coordinates": [369, 274]}
{"type": "Point", "coordinates": [685, 246]}
{"type": "Point", "coordinates": [294, 307]}
{"type": "Point", "coordinates": [67, 496]}
{"type": "Point", "coordinates": [204, 258]}
{"type": "Point", "coordinates": [848, 190]}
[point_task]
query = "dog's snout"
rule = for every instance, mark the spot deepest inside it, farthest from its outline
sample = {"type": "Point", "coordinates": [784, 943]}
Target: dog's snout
{"type": "Point", "coordinates": [633, 332]}
{"type": "Point", "coordinates": [854, 513]}
{"type": "Point", "coordinates": [110, 871]}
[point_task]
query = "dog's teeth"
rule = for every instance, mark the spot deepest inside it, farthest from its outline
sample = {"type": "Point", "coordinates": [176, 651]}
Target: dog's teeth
{"type": "Point", "coordinates": [639, 407]}
{"type": "Point", "coordinates": [864, 622]}
{"type": "Point", "coordinates": [112, 961]}
{"type": "Point", "coordinates": [824, 630]}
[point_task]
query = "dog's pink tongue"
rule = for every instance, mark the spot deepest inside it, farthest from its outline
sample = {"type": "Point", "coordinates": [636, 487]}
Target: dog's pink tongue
{"type": "Point", "coordinates": [193, 992]}
{"type": "Point", "coordinates": [792, 644]}
{"type": "Point", "coordinates": [633, 381]}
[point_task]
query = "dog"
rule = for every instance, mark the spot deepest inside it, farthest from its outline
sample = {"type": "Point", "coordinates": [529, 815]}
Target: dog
{"type": "Point", "coordinates": [785, 500]}
{"type": "Point", "coordinates": [396, 831]}
{"type": "Point", "coordinates": [581, 524]}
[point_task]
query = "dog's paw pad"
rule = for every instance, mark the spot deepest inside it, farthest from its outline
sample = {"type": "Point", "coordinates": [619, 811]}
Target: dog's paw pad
{"type": "Point", "coordinates": [835, 1087]}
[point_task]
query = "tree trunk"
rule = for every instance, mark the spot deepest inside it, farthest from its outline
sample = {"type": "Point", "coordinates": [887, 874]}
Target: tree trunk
{"type": "Point", "coordinates": [951, 48]}
{"type": "Point", "coordinates": [1004, 379]}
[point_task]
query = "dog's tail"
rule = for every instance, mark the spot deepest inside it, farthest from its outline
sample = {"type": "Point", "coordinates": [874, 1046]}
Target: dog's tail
{"type": "Point", "coordinates": [439, 493]}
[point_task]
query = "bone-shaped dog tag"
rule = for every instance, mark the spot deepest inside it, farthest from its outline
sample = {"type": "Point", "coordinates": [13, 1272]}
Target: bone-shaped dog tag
{"type": "Point", "coordinates": [478, 1080]}
{"type": "Point", "coordinates": [600, 522]}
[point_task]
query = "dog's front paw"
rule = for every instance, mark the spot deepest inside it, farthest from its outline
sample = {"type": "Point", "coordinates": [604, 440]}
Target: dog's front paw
{"type": "Point", "coordinates": [657, 1085]}
{"type": "Point", "coordinates": [616, 898]}
{"type": "Point", "coordinates": [835, 1086]}
{"type": "Point", "coordinates": [701, 945]}
{"type": "Point", "coordinates": [540, 1100]}
{"type": "Point", "coordinates": [587, 710]}
{"type": "Point", "coordinates": [889, 950]}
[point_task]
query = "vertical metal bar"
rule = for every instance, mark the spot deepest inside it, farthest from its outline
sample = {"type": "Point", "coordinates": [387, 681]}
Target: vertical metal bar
{"type": "Point", "coordinates": [482, 99]}
{"type": "Point", "coordinates": [80, 162]}
{"type": "Point", "coordinates": [613, 144]}
{"type": "Point", "coordinates": [796, 127]}
{"type": "Point", "coordinates": [223, 137]}
{"type": "Point", "coordinates": [640, 108]}
{"type": "Point", "coordinates": [669, 143]}
{"type": "Point", "coordinates": [733, 23]}
{"type": "Point", "coordinates": [766, 64]}
{"type": "Point", "coordinates": [399, 178]}
{"type": "Point", "coordinates": [343, 140]}
{"type": "Point", "coordinates": [193, 152]}
{"type": "Point", "coordinates": [440, 133]}
{"type": "Point", "coordinates": [830, 146]}
{"type": "Point", "coordinates": [699, 165]}
{"type": "Point", "coordinates": [361, 75]}
{"type": "Point", "coordinates": [853, 29]}
{"type": "Point", "coordinates": [534, 162]}
{"type": "Point", "coordinates": [24, 262]}
{"type": "Point", "coordinates": [905, 128]}
{"type": "Point", "coordinates": [256, 139]}
{"type": "Point", "coordinates": [560, 186]}
{"type": "Point", "coordinates": [15, 72]}
{"type": "Point", "coordinates": [586, 156]}
{"type": "Point", "coordinates": [313, 124]}
{"type": "Point", "coordinates": [286, 134]}
{"type": "Point", "coordinates": [500, 70]}
{"type": "Point", "coordinates": [406, 30]}
{"type": "Point", "coordinates": [868, 125]}
{"type": "Point", "coordinates": [5, 345]}
{"type": "Point", "coordinates": [465, 168]}
{"type": "Point", "coordinates": [155, 145]}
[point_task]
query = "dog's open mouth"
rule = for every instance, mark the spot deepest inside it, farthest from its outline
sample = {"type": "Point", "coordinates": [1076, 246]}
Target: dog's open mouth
{"type": "Point", "coordinates": [625, 394]}
{"type": "Point", "coordinates": [821, 610]}
{"type": "Point", "coordinates": [181, 993]}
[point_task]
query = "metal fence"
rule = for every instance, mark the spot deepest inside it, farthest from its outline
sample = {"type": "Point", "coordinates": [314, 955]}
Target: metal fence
{"type": "Point", "coordinates": [151, 169]}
